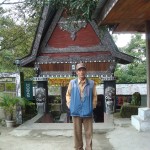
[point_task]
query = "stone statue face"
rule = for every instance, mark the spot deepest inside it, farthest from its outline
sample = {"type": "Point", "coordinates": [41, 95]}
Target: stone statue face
{"type": "Point", "coordinates": [109, 93]}
{"type": "Point", "coordinates": [40, 95]}
{"type": "Point", "coordinates": [109, 99]}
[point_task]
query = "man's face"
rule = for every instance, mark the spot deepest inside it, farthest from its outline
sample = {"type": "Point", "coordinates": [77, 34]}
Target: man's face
{"type": "Point", "coordinates": [81, 73]}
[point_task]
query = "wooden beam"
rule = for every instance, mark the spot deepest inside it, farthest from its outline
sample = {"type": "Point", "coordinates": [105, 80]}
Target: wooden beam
{"type": "Point", "coordinates": [107, 8]}
{"type": "Point", "coordinates": [148, 61]}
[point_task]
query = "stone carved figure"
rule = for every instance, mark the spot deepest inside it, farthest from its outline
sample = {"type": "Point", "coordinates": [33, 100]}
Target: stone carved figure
{"type": "Point", "coordinates": [19, 114]}
{"type": "Point", "coordinates": [40, 96]}
{"type": "Point", "coordinates": [109, 99]}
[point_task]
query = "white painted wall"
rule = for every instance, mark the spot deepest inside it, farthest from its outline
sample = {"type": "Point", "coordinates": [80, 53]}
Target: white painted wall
{"type": "Point", "coordinates": [125, 89]}
{"type": "Point", "coordinates": [128, 89]}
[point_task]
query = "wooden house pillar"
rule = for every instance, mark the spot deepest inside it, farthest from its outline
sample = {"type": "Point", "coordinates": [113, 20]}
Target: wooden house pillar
{"type": "Point", "coordinates": [63, 99]}
{"type": "Point", "coordinates": [148, 61]}
{"type": "Point", "coordinates": [64, 107]}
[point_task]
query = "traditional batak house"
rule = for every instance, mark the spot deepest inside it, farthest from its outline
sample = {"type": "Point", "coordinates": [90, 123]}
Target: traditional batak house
{"type": "Point", "coordinates": [60, 44]}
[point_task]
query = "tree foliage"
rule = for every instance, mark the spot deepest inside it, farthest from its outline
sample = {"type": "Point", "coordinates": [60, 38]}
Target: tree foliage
{"type": "Point", "coordinates": [16, 41]}
{"type": "Point", "coordinates": [135, 72]}
{"type": "Point", "coordinates": [80, 9]}
{"type": "Point", "coordinates": [18, 25]}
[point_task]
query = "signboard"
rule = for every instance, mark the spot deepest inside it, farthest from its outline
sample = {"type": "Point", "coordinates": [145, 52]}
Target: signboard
{"type": "Point", "coordinates": [28, 90]}
{"type": "Point", "coordinates": [7, 79]}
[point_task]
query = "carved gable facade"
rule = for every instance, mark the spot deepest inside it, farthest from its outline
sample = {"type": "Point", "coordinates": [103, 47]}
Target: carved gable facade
{"type": "Point", "coordinates": [60, 44]}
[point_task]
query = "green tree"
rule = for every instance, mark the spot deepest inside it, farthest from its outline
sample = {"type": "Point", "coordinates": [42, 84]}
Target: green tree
{"type": "Point", "coordinates": [16, 42]}
{"type": "Point", "coordinates": [80, 9]}
{"type": "Point", "coordinates": [18, 25]}
{"type": "Point", "coordinates": [135, 72]}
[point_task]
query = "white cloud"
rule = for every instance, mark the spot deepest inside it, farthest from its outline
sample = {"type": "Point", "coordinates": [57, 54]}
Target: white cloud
{"type": "Point", "coordinates": [124, 39]}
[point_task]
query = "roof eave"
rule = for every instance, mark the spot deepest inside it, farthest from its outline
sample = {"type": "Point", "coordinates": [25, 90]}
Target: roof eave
{"type": "Point", "coordinates": [103, 10]}
{"type": "Point", "coordinates": [30, 58]}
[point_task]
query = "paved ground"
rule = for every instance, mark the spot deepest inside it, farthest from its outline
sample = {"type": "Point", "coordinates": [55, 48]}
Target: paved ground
{"type": "Point", "coordinates": [122, 137]}
{"type": "Point", "coordinates": [37, 141]}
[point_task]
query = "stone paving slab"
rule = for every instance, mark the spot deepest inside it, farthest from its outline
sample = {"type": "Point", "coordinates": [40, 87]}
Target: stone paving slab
{"type": "Point", "coordinates": [55, 129]}
{"type": "Point", "coordinates": [38, 141]}
{"type": "Point", "coordinates": [122, 136]}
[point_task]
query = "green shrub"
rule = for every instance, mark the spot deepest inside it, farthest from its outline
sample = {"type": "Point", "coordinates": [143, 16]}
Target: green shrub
{"type": "Point", "coordinates": [9, 103]}
{"type": "Point", "coordinates": [128, 110]}
{"type": "Point", "coordinates": [2, 87]}
{"type": "Point", "coordinates": [10, 86]}
{"type": "Point", "coordinates": [30, 108]}
{"type": "Point", "coordinates": [30, 111]}
{"type": "Point", "coordinates": [136, 99]}
{"type": "Point", "coordinates": [57, 99]}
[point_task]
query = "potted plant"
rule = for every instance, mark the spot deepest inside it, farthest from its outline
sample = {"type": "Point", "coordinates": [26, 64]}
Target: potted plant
{"type": "Point", "coordinates": [9, 103]}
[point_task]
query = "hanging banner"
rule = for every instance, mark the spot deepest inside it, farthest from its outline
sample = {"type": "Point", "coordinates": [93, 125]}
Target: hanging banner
{"type": "Point", "coordinates": [28, 90]}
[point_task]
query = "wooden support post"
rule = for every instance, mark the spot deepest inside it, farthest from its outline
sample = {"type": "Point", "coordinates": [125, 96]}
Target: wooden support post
{"type": "Point", "coordinates": [148, 61]}
{"type": "Point", "coordinates": [63, 99]}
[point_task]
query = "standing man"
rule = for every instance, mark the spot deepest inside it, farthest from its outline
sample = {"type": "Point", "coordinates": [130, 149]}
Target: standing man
{"type": "Point", "coordinates": [81, 99]}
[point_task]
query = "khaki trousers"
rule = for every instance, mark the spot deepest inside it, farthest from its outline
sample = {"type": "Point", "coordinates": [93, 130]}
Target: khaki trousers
{"type": "Point", "coordinates": [88, 129]}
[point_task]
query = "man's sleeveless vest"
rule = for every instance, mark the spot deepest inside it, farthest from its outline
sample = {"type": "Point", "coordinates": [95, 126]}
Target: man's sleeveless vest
{"type": "Point", "coordinates": [81, 107]}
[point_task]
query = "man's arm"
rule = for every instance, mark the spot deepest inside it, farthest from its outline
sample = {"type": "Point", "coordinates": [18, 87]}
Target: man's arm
{"type": "Point", "coordinates": [94, 96]}
{"type": "Point", "coordinates": [68, 95]}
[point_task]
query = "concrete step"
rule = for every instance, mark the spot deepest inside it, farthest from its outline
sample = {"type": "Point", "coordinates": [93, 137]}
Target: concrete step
{"type": "Point", "coordinates": [140, 124]}
{"type": "Point", "coordinates": [144, 113]}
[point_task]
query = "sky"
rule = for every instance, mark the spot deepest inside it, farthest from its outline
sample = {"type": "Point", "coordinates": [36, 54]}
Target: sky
{"type": "Point", "coordinates": [123, 39]}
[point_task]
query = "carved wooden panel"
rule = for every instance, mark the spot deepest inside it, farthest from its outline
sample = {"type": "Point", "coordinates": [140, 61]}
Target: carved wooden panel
{"type": "Point", "coordinates": [103, 66]}
{"type": "Point", "coordinates": [85, 37]}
